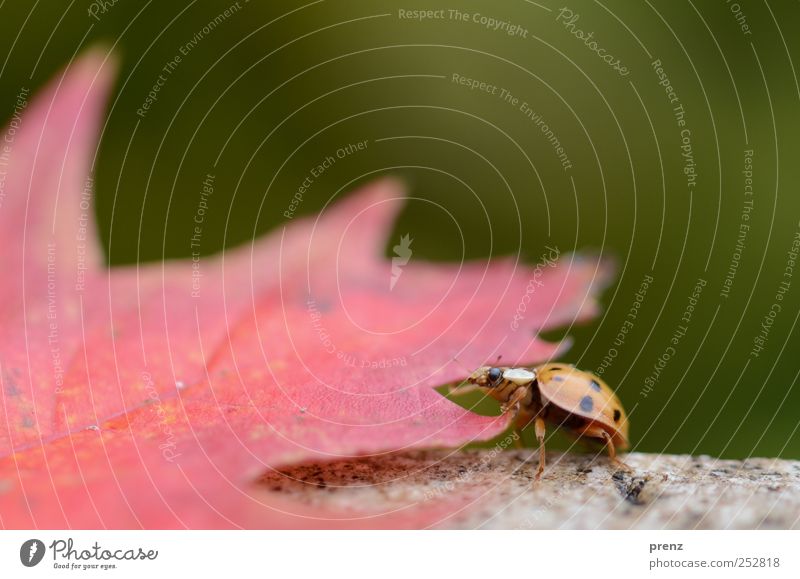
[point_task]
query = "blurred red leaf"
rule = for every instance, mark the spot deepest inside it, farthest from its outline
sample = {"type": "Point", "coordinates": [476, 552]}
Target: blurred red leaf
{"type": "Point", "coordinates": [154, 396]}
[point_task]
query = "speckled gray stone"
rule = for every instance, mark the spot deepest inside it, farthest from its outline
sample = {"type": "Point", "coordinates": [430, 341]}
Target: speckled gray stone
{"type": "Point", "coordinates": [576, 491]}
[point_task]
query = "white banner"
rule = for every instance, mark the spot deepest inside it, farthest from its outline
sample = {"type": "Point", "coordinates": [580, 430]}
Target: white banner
{"type": "Point", "coordinates": [401, 554]}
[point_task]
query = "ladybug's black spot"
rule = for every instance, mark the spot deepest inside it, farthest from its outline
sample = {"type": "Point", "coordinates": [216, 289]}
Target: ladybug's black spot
{"type": "Point", "coordinates": [617, 414]}
{"type": "Point", "coordinates": [595, 386]}
{"type": "Point", "coordinates": [587, 404]}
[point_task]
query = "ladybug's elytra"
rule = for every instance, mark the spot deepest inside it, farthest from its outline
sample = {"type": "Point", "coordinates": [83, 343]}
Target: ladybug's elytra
{"type": "Point", "coordinates": [559, 394]}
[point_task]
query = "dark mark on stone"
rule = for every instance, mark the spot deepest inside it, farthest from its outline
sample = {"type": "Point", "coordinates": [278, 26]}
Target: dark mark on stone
{"type": "Point", "coordinates": [630, 487]}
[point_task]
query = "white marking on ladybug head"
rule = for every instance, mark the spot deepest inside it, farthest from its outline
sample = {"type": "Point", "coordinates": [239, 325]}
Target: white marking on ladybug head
{"type": "Point", "coordinates": [519, 376]}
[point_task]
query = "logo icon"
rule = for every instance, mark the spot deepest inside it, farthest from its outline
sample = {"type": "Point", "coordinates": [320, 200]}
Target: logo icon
{"type": "Point", "coordinates": [402, 253]}
{"type": "Point", "coordinates": [32, 552]}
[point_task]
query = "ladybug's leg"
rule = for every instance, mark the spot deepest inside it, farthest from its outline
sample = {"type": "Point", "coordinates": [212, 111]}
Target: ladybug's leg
{"type": "Point", "coordinates": [597, 432]}
{"type": "Point", "coordinates": [612, 453]}
{"type": "Point", "coordinates": [518, 440]}
{"type": "Point", "coordinates": [514, 400]}
{"type": "Point", "coordinates": [521, 417]}
{"type": "Point", "coordinates": [538, 429]}
{"type": "Point", "coordinates": [523, 420]}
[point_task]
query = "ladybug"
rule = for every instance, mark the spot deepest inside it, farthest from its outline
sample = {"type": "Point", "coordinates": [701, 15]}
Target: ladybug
{"type": "Point", "coordinates": [560, 394]}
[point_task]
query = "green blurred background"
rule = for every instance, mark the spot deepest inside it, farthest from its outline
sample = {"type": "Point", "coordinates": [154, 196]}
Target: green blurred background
{"type": "Point", "coordinates": [275, 87]}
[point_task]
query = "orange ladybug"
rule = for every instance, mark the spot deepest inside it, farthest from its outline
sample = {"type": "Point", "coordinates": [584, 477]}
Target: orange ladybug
{"type": "Point", "coordinates": [559, 394]}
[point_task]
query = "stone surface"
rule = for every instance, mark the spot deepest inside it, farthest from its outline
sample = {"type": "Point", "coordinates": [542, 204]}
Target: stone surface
{"type": "Point", "coordinates": [496, 489]}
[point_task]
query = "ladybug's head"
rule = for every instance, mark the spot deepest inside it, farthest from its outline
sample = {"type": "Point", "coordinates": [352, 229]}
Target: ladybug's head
{"type": "Point", "coordinates": [486, 376]}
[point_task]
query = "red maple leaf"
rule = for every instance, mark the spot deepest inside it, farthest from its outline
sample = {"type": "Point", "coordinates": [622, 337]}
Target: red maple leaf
{"type": "Point", "coordinates": [154, 396]}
